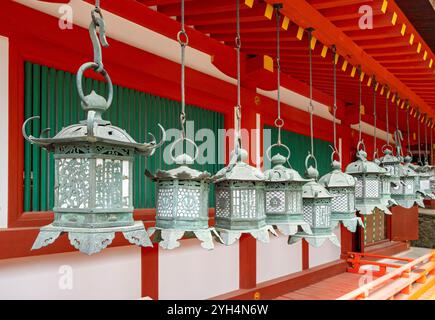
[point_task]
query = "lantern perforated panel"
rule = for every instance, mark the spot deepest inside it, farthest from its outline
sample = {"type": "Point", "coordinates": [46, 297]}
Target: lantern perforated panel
{"type": "Point", "coordinates": [359, 188]}
{"type": "Point", "coordinates": [372, 187]}
{"type": "Point", "coordinates": [275, 201]}
{"type": "Point", "coordinates": [73, 183]}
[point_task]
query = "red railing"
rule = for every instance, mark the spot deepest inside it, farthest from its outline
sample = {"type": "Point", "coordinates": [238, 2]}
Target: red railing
{"type": "Point", "coordinates": [399, 281]}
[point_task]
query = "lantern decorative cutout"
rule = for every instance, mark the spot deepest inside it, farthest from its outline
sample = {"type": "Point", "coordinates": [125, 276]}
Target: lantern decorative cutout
{"type": "Point", "coordinates": [182, 203]}
{"type": "Point", "coordinates": [317, 210]}
{"type": "Point", "coordinates": [283, 199]}
{"type": "Point", "coordinates": [342, 187]}
{"type": "Point", "coordinates": [239, 195]}
{"type": "Point", "coordinates": [93, 172]}
{"type": "Point", "coordinates": [283, 202]}
{"type": "Point", "coordinates": [368, 185]}
{"type": "Point", "coordinates": [405, 193]}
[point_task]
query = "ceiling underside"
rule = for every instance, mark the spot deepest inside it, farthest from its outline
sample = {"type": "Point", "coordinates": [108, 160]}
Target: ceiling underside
{"type": "Point", "coordinates": [421, 13]}
{"type": "Point", "coordinates": [387, 45]}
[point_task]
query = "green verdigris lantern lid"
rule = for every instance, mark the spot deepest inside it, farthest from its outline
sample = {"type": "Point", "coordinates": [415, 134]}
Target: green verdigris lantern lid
{"type": "Point", "coordinates": [280, 173]}
{"type": "Point", "coordinates": [389, 158]}
{"type": "Point", "coordinates": [337, 178]}
{"type": "Point", "coordinates": [363, 166]}
{"type": "Point", "coordinates": [182, 172]}
{"type": "Point", "coordinates": [406, 170]}
{"type": "Point", "coordinates": [239, 170]}
{"type": "Point", "coordinates": [94, 130]}
{"type": "Point", "coordinates": [313, 189]}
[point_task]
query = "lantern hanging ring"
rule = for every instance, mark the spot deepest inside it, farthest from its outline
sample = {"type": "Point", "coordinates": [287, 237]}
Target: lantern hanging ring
{"type": "Point", "coordinates": [180, 140]}
{"type": "Point", "coordinates": [278, 145]}
{"type": "Point", "coordinates": [335, 153]}
{"type": "Point", "coordinates": [361, 146]}
{"type": "Point", "coordinates": [308, 158]}
{"type": "Point", "coordinates": [105, 74]}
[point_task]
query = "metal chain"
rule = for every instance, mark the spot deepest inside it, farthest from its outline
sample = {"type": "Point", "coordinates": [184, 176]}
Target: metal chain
{"type": "Point", "coordinates": [425, 140]}
{"type": "Point", "coordinates": [183, 40]}
{"type": "Point", "coordinates": [311, 107]}
{"type": "Point", "coordinates": [398, 133]}
{"type": "Point", "coordinates": [334, 68]}
{"type": "Point", "coordinates": [238, 107]}
{"type": "Point", "coordinates": [98, 22]}
{"type": "Point", "coordinates": [374, 118]}
{"type": "Point", "coordinates": [360, 103]}
{"type": "Point", "coordinates": [431, 144]}
{"type": "Point", "coordinates": [279, 122]}
{"type": "Point", "coordinates": [407, 131]}
{"type": "Point", "coordinates": [387, 118]}
{"type": "Point", "coordinates": [418, 140]}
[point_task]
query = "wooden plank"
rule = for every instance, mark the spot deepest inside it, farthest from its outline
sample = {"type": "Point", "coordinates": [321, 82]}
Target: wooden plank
{"type": "Point", "coordinates": [283, 285]}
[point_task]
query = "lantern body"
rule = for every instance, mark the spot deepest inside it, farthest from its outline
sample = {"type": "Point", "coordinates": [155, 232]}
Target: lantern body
{"type": "Point", "coordinates": [283, 197]}
{"type": "Point", "coordinates": [342, 187]}
{"type": "Point", "coordinates": [93, 182]}
{"type": "Point", "coordinates": [392, 165]}
{"type": "Point", "coordinates": [181, 204]}
{"type": "Point", "coordinates": [405, 193]}
{"type": "Point", "coordinates": [424, 176]}
{"type": "Point", "coordinates": [93, 186]}
{"type": "Point", "coordinates": [239, 200]}
{"type": "Point", "coordinates": [317, 211]}
{"type": "Point", "coordinates": [239, 205]}
{"type": "Point", "coordinates": [368, 184]}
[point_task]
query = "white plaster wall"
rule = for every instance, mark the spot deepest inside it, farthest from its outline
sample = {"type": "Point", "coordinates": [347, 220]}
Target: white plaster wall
{"type": "Point", "coordinates": [4, 95]}
{"type": "Point", "coordinates": [114, 273]}
{"type": "Point", "coordinates": [328, 252]}
{"type": "Point", "coordinates": [277, 258]}
{"type": "Point", "coordinates": [191, 272]}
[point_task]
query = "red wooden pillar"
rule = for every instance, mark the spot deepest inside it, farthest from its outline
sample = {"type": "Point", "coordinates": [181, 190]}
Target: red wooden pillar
{"type": "Point", "coordinates": [305, 255]}
{"type": "Point", "coordinates": [247, 244]}
{"type": "Point", "coordinates": [150, 272]}
{"type": "Point", "coordinates": [348, 239]}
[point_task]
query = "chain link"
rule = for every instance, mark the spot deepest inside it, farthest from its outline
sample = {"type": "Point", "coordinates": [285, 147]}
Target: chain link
{"type": "Point", "coordinates": [334, 69]}
{"type": "Point", "coordinates": [360, 104]}
{"type": "Point", "coordinates": [311, 107]}
{"type": "Point", "coordinates": [374, 118]}
{"type": "Point", "coordinates": [279, 122]}
{"type": "Point", "coordinates": [407, 130]}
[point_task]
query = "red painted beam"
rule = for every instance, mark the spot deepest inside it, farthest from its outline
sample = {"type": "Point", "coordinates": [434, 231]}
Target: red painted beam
{"type": "Point", "coordinates": [306, 16]}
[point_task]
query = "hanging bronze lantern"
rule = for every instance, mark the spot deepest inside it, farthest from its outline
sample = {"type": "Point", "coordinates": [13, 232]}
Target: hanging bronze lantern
{"type": "Point", "coordinates": [317, 205]}
{"type": "Point", "coordinates": [424, 171]}
{"type": "Point", "coordinates": [404, 192]}
{"type": "Point", "coordinates": [239, 187]}
{"type": "Point", "coordinates": [316, 199]}
{"type": "Point", "coordinates": [93, 171]}
{"type": "Point", "coordinates": [283, 199]}
{"type": "Point", "coordinates": [182, 204]}
{"type": "Point", "coordinates": [182, 193]}
{"type": "Point", "coordinates": [339, 184]}
{"type": "Point", "coordinates": [342, 187]}
{"type": "Point", "coordinates": [368, 185]}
